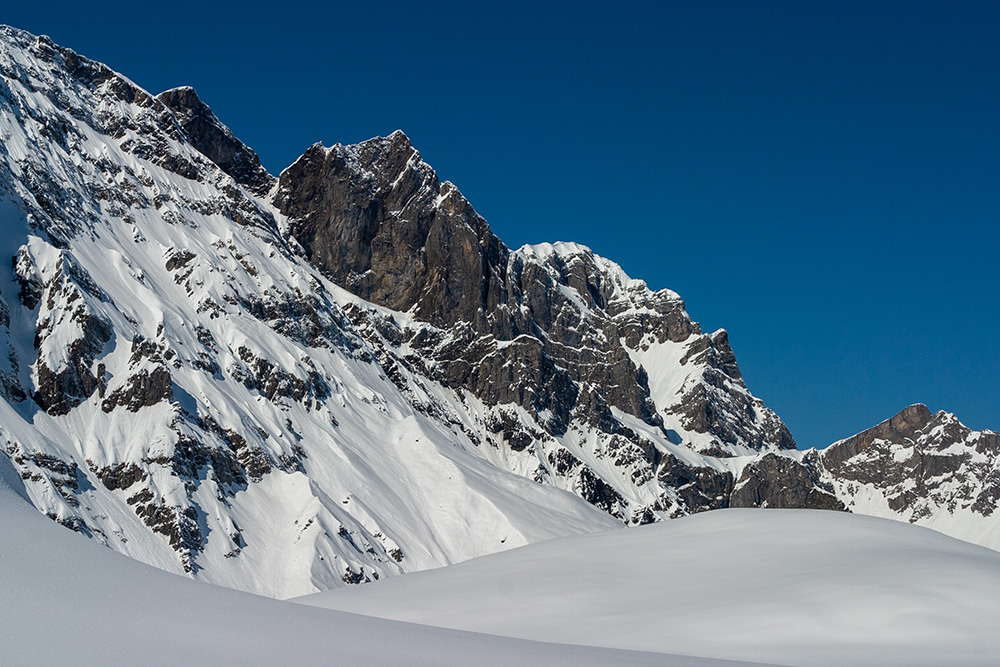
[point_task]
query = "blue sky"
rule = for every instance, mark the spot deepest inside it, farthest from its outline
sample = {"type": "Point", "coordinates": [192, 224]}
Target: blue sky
{"type": "Point", "coordinates": [820, 179]}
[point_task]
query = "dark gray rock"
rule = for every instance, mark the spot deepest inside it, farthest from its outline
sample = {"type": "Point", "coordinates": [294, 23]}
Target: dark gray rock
{"type": "Point", "coordinates": [118, 476]}
{"type": "Point", "coordinates": [143, 389]}
{"type": "Point", "coordinates": [737, 418]}
{"type": "Point", "coordinates": [178, 523]}
{"type": "Point", "coordinates": [375, 219]}
{"type": "Point", "coordinates": [58, 391]}
{"type": "Point", "coordinates": [700, 488]}
{"type": "Point", "coordinates": [777, 481]}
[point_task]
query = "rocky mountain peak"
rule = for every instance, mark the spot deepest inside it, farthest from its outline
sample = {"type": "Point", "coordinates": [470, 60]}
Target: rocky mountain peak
{"type": "Point", "coordinates": [900, 429]}
{"type": "Point", "coordinates": [919, 466]}
{"type": "Point", "coordinates": [215, 141]}
{"type": "Point", "coordinates": [375, 218]}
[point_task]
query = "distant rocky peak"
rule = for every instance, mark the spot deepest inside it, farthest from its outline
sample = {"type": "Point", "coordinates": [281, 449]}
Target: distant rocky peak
{"type": "Point", "coordinates": [380, 162]}
{"type": "Point", "coordinates": [215, 141]}
{"type": "Point", "coordinates": [922, 468]}
{"type": "Point", "coordinates": [900, 429]}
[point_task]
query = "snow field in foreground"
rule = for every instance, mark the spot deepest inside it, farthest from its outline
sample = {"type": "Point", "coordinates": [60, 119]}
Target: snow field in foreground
{"type": "Point", "coordinates": [65, 599]}
{"type": "Point", "coordinates": [792, 587]}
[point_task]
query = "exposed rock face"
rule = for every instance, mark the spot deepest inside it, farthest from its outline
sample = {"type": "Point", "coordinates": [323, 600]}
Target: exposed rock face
{"type": "Point", "coordinates": [781, 482]}
{"type": "Point", "coordinates": [215, 141]}
{"type": "Point", "coordinates": [375, 219]}
{"type": "Point", "coordinates": [700, 487]}
{"type": "Point", "coordinates": [900, 430]}
{"type": "Point", "coordinates": [553, 330]}
{"type": "Point", "coordinates": [143, 389]}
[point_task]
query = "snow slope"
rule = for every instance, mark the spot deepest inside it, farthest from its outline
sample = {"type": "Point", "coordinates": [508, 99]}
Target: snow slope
{"type": "Point", "coordinates": [794, 587]}
{"type": "Point", "coordinates": [67, 600]}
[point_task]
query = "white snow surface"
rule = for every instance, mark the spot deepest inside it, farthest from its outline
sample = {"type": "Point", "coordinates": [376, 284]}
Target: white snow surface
{"type": "Point", "coordinates": [791, 587]}
{"type": "Point", "coordinates": [67, 600]}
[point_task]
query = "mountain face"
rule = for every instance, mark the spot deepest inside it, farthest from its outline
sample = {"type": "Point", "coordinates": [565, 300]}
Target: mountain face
{"type": "Point", "coordinates": [918, 467]}
{"type": "Point", "coordinates": [289, 384]}
{"type": "Point", "coordinates": [923, 468]}
{"type": "Point", "coordinates": [375, 219]}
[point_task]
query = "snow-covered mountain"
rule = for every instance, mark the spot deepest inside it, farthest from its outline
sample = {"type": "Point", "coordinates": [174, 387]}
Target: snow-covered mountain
{"type": "Point", "coordinates": [287, 384]}
{"type": "Point", "coordinates": [183, 386]}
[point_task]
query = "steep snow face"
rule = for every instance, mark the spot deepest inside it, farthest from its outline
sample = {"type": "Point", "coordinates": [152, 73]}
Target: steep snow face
{"type": "Point", "coordinates": [845, 590]}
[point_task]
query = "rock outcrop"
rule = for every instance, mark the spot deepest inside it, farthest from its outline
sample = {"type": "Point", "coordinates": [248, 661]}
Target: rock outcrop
{"type": "Point", "coordinates": [211, 138]}
{"type": "Point", "coordinates": [784, 483]}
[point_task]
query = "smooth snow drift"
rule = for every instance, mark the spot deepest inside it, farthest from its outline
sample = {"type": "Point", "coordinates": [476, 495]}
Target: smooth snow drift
{"type": "Point", "coordinates": [792, 587]}
{"type": "Point", "coordinates": [67, 600]}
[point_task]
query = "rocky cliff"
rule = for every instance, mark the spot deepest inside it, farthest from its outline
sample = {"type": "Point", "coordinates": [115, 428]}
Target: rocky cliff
{"type": "Point", "coordinates": [920, 467]}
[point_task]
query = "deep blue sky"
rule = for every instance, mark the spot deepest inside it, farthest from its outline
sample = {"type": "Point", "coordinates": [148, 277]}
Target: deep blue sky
{"type": "Point", "coordinates": [821, 179]}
